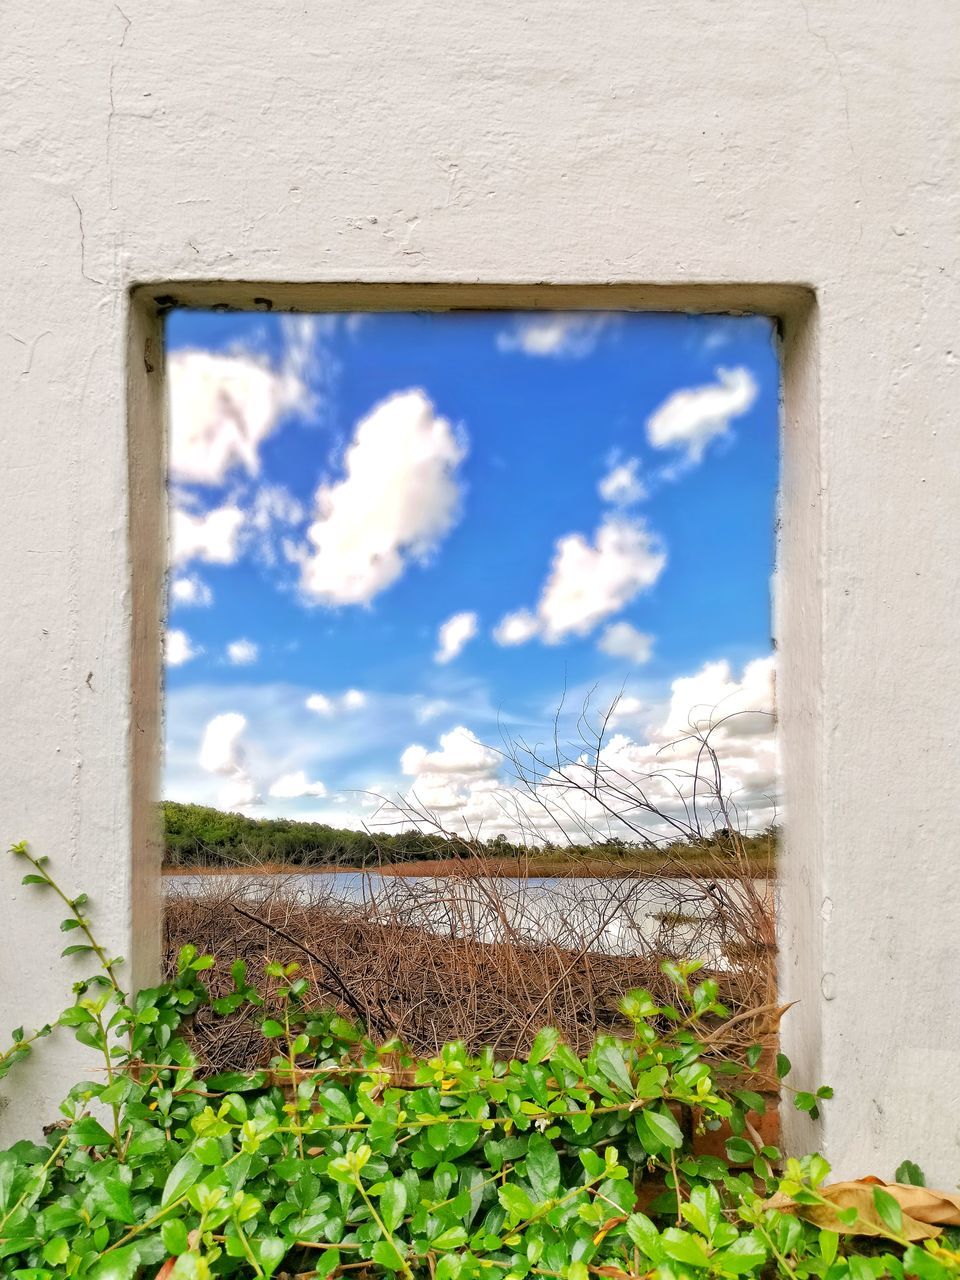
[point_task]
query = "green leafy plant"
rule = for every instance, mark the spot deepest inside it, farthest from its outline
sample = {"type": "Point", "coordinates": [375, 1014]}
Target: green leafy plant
{"type": "Point", "coordinates": [345, 1155]}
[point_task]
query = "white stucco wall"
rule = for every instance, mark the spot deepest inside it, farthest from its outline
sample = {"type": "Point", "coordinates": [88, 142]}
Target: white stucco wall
{"type": "Point", "coordinates": [677, 143]}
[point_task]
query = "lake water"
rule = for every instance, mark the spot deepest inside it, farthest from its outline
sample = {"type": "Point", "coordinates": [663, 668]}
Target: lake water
{"type": "Point", "coordinates": [615, 916]}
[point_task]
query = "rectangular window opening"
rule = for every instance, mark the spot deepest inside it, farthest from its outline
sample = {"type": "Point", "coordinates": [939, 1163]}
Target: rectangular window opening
{"type": "Point", "coordinates": [468, 669]}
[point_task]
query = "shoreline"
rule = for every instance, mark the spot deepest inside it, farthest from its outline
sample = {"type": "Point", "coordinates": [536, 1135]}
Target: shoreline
{"type": "Point", "coordinates": [500, 868]}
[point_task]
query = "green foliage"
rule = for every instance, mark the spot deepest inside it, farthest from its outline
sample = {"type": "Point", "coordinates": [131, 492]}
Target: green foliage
{"type": "Point", "coordinates": [346, 1155]}
{"type": "Point", "coordinates": [198, 836]}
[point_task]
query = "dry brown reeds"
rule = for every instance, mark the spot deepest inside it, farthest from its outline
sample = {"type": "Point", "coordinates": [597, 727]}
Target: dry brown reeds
{"type": "Point", "coordinates": [453, 956]}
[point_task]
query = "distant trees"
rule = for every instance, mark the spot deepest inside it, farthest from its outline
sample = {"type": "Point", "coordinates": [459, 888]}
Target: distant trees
{"type": "Point", "coordinates": [198, 836]}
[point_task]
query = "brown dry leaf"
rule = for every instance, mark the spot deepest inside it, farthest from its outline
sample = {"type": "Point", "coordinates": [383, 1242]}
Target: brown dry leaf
{"type": "Point", "coordinates": [925, 1211]}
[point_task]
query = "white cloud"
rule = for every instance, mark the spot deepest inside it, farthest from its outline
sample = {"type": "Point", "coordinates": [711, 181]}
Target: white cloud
{"type": "Point", "coordinates": [242, 652]}
{"type": "Point", "coordinates": [621, 485]}
{"type": "Point", "coordinates": [293, 786]}
{"type": "Point", "coordinates": [629, 708]}
{"type": "Point", "coordinates": [212, 536]}
{"type": "Point", "coordinates": [589, 581]}
{"type": "Point", "coordinates": [190, 590]}
{"type": "Point", "coordinates": [623, 640]}
{"type": "Point", "coordinates": [178, 648]}
{"type": "Point", "coordinates": [327, 705]}
{"type": "Point", "coordinates": [399, 496]}
{"type": "Point", "coordinates": [556, 334]}
{"type": "Point", "coordinates": [691, 418]}
{"type": "Point", "coordinates": [223, 407]}
{"type": "Point", "coordinates": [461, 782]}
{"type": "Point", "coordinates": [273, 504]}
{"type": "Point", "coordinates": [714, 696]}
{"type": "Point", "coordinates": [321, 704]}
{"type": "Point", "coordinates": [239, 793]}
{"type": "Point", "coordinates": [446, 780]}
{"type": "Point", "coordinates": [461, 752]}
{"type": "Point", "coordinates": [222, 752]}
{"type": "Point", "coordinates": [454, 634]}
{"type": "Point", "coordinates": [516, 628]}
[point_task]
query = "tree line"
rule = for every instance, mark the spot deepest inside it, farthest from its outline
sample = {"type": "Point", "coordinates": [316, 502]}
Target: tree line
{"type": "Point", "coordinates": [197, 835]}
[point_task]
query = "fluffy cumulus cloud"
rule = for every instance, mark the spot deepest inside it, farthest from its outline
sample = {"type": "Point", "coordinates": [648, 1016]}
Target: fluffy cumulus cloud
{"type": "Point", "coordinates": [323, 704]}
{"type": "Point", "coordinates": [623, 640]}
{"type": "Point", "coordinates": [651, 760]}
{"type": "Point", "coordinates": [588, 581]}
{"type": "Point", "coordinates": [178, 648]}
{"type": "Point", "coordinates": [222, 752]}
{"type": "Point", "coordinates": [223, 406]}
{"type": "Point", "coordinates": [621, 485]}
{"type": "Point", "coordinates": [241, 653]}
{"type": "Point", "coordinates": [397, 499]}
{"type": "Point", "coordinates": [516, 628]}
{"type": "Point", "coordinates": [212, 536]}
{"type": "Point", "coordinates": [556, 334]}
{"type": "Point", "coordinates": [296, 786]}
{"type": "Point", "coordinates": [690, 419]}
{"type": "Point", "coordinates": [453, 635]}
{"type": "Point", "coordinates": [188, 589]}
{"type": "Point", "coordinates": [714, 696]}
{"type": "Point", "coordinates": [449, 779]}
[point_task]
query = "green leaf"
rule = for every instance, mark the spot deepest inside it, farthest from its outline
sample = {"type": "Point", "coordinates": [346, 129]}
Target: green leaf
{"type": "Point", "coordinates": [516, 1201]}
{"type": "Point", "coordinates": [753, 1055]}
{"type": "Point", "coordinates": [544, 1045]}
{"type": "Point", "coordinates": [860, 1268]}
{"type": "Point", "coordinates": [752, 1101]}
{"type": "Point", "coordinates": [77, 949]}
{"type": "Point", "coordinates": [702, 1210]}
{"type": "Point", "coordinates": [56, 1251]}
{"type": "Point", "coordinates": [121, 1264]}
{"type": "Point", "coordinates": [180, 1179]}
{"type": "Point", "coordinates": [828, 1241]}
{"type": "Point", "coordinates": [784, 1066]}
{"type": "Point", "coordinates": [8, 1172]}
{"type": "Point", "coordinates": [387, 1256]}
{"type": "Point", "coordinates": [337, 1103]}
{"type": "Point", "coordinates": [271, 1029]}
{"type": "Point", "coordinates": [645, 1236]}
{"type": "Point", "coordinates": [543, 1168]}
{"type": "Point", "coordinates": [393, 1203]}
{"type": "Point", "coordinates": [610, 1061]}
{"type": "Point", "coordinates": [269, 1251]}
{"type": "Point", "coordinates": [746, 1254]}
{"type": "Point", "coordinates": [114, 1198]}
{"type": "Point", "coordinates": [911, 1174]}
{"type": "Point", "coordinates": [917, 1262]}
{"type": "Point", "coordinates": [91, 1133]}
{"type": "Point", "coordinates": [888, 1210]}
{"type": "Point", "coordinates": [683, 1247]}
{"type": "Point", "coordinates": [739, 1150]}
{"type": "Point", "coordinates": [662, 1128]}
{"type": "Point", "coordinates": [174, 1233]}
{"type": "Point", "coordinates": [452, 1238]}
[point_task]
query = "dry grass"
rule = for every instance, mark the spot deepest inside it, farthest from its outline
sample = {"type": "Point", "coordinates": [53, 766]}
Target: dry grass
{"type": "Point", "coordinates": [451, 981]}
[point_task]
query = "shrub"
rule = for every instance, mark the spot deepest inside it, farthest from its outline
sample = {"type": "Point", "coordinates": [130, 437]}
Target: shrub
{"type": "Point", "coordinates": [346, 1155]}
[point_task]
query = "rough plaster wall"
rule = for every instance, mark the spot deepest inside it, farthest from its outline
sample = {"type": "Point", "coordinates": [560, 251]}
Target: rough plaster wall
{"type": "Point", "coordinates": [671, 141]}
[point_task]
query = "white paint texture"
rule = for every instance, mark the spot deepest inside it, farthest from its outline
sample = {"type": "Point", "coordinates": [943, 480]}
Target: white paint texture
{"type": "Point", "coordinates": [747, 143]}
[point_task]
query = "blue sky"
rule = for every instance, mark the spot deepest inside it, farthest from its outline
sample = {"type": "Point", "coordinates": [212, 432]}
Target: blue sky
{"type": "Point", "coordinates": [586, 500]}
